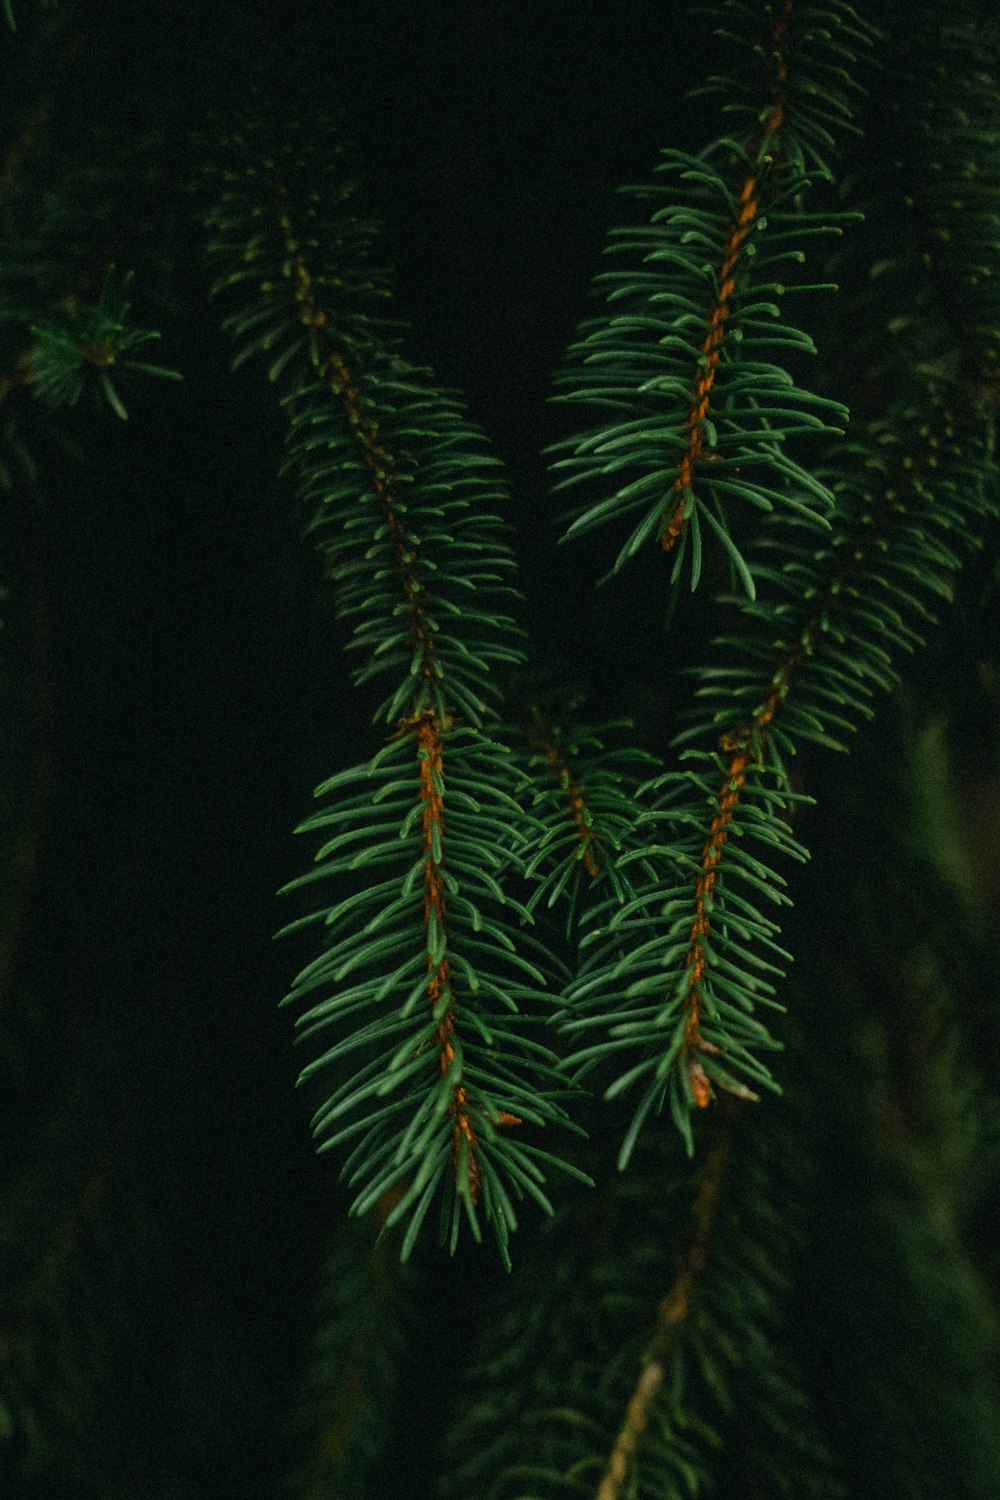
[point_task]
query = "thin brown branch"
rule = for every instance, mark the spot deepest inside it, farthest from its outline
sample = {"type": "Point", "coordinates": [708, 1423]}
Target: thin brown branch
{"type": "Point", "coordinates": [671, 1316]}
{"type": "Point", "coordinates": [744, 744]}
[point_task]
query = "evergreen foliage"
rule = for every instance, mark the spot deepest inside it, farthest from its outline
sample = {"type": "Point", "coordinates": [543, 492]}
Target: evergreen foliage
{"type": "Point", "coordinates": [577, 807]}
{"type": "Point", "coordinates": [400, 497]}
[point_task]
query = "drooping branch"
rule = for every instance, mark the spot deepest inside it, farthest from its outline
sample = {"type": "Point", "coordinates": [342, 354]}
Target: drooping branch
{"type": "Point", "coordinates": [890, 547]}
{"type": "Point", "coordinates": [704, 286]}
{"type": "Point", "coordinates": [745, 743]}
{"type": "Point", "coordinates": [424, 724]}
{"type": "Point", "coordinates": [424, 972]}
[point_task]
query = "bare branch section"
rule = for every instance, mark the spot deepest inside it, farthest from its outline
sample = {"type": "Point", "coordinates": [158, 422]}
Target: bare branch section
{"type": "Point", "coordinates": [671, 1317]}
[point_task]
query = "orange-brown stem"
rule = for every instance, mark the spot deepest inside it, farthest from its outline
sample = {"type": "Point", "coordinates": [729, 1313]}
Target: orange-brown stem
{"type": "Point", "coordinates": [744, 747]}
{"type": "Point", "coordinates": [426, 726]}
{"type": "Point", "coordinates": [344, 386]}
{"type": "Point", "coordinates": [704, 896]}
{"type": "Point", "coordinates": [429, 744]}
{"type": "Point", "coordinates": [673, 521]}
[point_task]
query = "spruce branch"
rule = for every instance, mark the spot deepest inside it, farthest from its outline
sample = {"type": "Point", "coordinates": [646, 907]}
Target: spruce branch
{"type": "Point", "coordinates": [575, 807]}
{"type": "Point", "coordinates": [667, 1335]}
{"type": "Point", "coordinates": [801, 667]}
{"type": "Point", "coordinates": [903, 1141]}
{"type": "Point", "coordinates": [693, 444]}
{"type": "Point", "coordinates": [583, 786]}
{"type": "Point", "coordinates": [430, 964]}
{"type": "Point", "coordinates": [682, 1002]}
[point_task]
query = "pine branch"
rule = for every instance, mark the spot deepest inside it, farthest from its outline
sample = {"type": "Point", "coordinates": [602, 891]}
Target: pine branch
{"type": "Point", "coordinates": [80, 344]}
{"type": "Point", "coordinates": [583, 796]}
{"type": "Point", "coordinates": [895, 1111]}
{"type": "Point", "coordinates": [836, 608]}
{"type": "Point", "coordinates": [574, 807]}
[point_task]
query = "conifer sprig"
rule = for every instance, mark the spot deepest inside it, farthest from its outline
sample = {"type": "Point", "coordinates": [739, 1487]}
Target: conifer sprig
{"type": "Point", "coordinates": [671, 1317]}
{"type": "Point", "coordinates": [82, 344]}
{"type": "Point", "coordinates": [699, 413]}
{"type": "Point", "coordinates": [802, 668]}
{"type": "Point", "coordinates": [426, 973]}
{"type": "Point", "coordinates": [584, 782]}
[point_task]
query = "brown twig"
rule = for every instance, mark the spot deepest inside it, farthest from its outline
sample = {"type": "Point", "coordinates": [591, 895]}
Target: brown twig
{"type": "Point", "coordinates": [671, 1317]}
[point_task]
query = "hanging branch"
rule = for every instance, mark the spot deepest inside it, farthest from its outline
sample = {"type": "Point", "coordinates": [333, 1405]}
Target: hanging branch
{"type": "Point", "coordinates": [801, 667]}
{"type": "Point", "coordinates": [430, 964]}
{"type": "Point", "coordinates": [684, 1000]}
{"type": "Point", "coordinates": [583, 796]}
{"type": "Point", "coordinates": [695, 442]}
{"type": "Point", "coordinates": [575, 806]}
